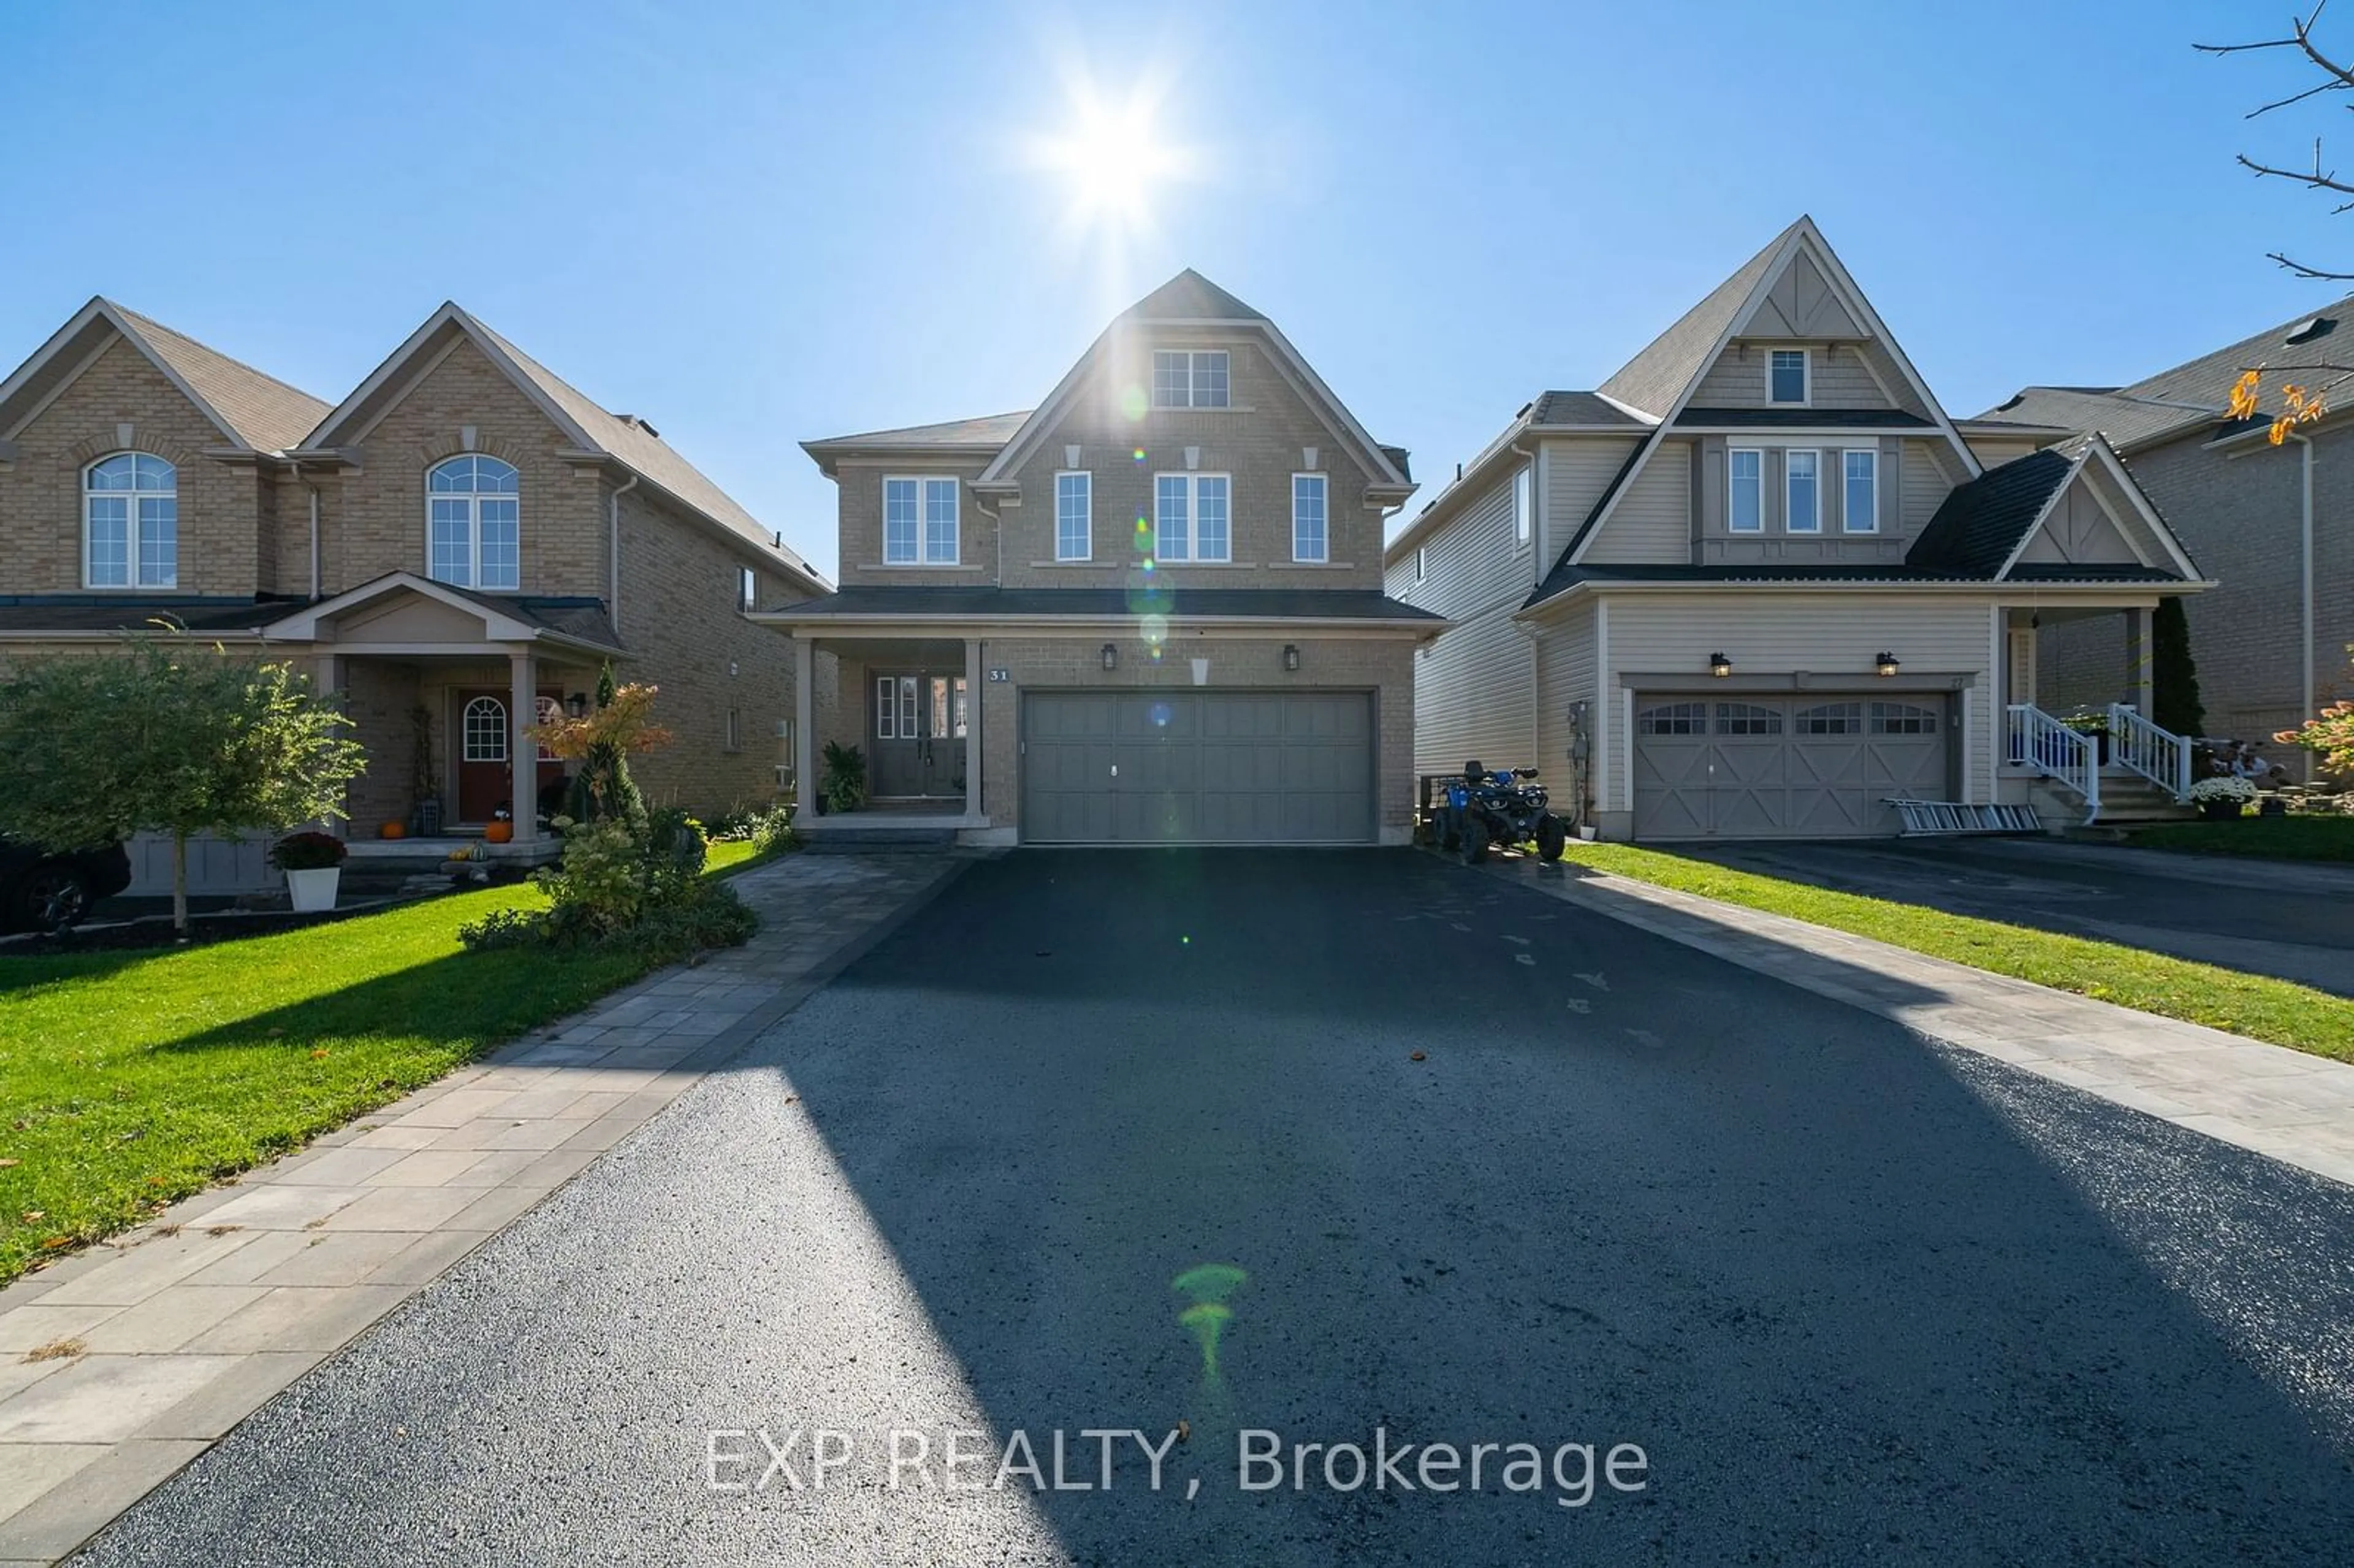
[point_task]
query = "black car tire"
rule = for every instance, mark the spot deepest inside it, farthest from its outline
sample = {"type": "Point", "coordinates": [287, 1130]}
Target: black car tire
{"type": "Point", "coordinates": [1553, 838]}
{"type": "Point", "coordinates": [1475, 840]}
{"type": "Point", "coordinates": [1447, 829]}
{"type": "Point", "coordinates": [50, 898]}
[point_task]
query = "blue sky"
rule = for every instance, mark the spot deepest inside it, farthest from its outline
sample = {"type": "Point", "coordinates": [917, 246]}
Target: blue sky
{"type": "Point", "coordinates": [758, 223]}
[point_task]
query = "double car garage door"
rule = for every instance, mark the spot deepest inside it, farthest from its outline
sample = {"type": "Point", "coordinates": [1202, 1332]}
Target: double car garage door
{"type": "Point", "coordinates": [1197, 767]}
{"type": "Point", "coordinates": [1805, 767]}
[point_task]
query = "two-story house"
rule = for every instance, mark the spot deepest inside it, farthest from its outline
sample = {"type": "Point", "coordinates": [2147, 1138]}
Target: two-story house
{"type": "Point", "coordinates": [1149, 611]}
{"type": "Point", "coordinates": [1757, 583]}
{"type": "Point", "coordinates": [2274, 523]}
{"type": "Point", "coordinates": [455, 548]}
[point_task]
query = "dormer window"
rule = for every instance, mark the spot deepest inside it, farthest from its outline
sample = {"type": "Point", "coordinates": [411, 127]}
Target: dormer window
{"type": "Point", "coordinates": [1785, 374]}
{"type": "Point", "coordinates": [131, 523]}
{"type": "Point", "coordinates": [1190, 379]}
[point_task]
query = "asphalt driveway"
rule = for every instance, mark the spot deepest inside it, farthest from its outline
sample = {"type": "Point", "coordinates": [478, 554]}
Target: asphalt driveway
{"type": "Point", "coordinates": [1854, 1297]}
{"type": "Point", "coordinates": [2293, 922]}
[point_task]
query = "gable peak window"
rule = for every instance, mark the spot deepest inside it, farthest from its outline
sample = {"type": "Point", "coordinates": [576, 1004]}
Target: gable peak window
{"type": "Point", "coordinates": [1074, 501]}
{"type": "Point", "coordinates": [919, 521]}
{"type": "Point", "coordinates": [472, 523]}
{"type": "Point", "coordinates": [1191, 378]}
{"type": "Point", "coordinates": [1310, 524]}
{"type": "Point", "coordinates": [131, 523]}
{"type": "Point", "coordinates": [1786, 375]}
{"type": "Point", "coordinates": [1190, 517]}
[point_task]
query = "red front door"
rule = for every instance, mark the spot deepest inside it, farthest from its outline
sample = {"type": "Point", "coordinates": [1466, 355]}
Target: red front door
{"type": "Point", "coordinates": [485, 773]}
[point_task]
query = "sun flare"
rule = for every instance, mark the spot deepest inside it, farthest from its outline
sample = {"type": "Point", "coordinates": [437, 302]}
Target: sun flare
{"type": "Point", "coordinates": [1115, 155]}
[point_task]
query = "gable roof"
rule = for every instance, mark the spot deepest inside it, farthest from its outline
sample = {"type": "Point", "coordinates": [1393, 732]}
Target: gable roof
{"type": "Point", "coordinates": [628, 441]}
{"type": "Point", "coordinates": [1980, 523]}
{"type": "Point", "coordinates": [1672, 362]}
{"type": "Point", "coordinates": [1584, 409]}
{"type": "Point", "coordinates": [567, 618]}
{"type": "Point", "coordinates": [1190, 297]}
{"type": "Point", "coordinates": [986, 436]}
{"type": "Point", "coordinates": [253, 410]}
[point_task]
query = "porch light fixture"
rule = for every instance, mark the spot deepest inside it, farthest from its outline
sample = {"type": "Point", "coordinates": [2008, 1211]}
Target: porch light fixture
{"type": "Point", "coordinates": [1110, 656]}
{"type": "Point", "coordinates": [1291, 655]}
{"type": "Point", "coordinates": [1719, 665]}
{"type": "Point", "coordinates": [577, 704]}
{"type": "Point", "coordinates": [1885, 663]}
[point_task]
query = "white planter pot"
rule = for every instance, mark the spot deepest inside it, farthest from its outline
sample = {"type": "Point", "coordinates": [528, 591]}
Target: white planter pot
{"type": "Point", "coordinates": [313, 891]}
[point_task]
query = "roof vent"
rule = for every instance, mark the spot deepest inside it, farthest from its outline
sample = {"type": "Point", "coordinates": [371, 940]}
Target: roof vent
{"type": "Point", "coordinates": [2319, 327]}
{"type": "Point", "coordinates": [639, 423]}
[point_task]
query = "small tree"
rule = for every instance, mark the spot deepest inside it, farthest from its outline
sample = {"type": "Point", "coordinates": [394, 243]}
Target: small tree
{"type": "Point", "coordinates": [601, 742]}
{"type": "Point", "coordinates": [2328, 735]}
{"type": "Point", "coordinates": [2173, 674]}
{"type": "Point", "coordinates": [165, 736]}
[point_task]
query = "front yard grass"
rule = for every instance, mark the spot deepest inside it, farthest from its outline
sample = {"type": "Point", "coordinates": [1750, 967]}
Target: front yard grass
{"type": "Point", "coordinates": [128, 1079]}
{"type": "Point", "coordinates": [2311, 837]}
{"type": "Point", "coordinates": [2257, 1006]}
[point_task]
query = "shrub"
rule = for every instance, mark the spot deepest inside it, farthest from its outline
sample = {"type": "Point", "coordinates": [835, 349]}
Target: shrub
{"type": "Point", "coordinates": [307, 852]}
{"type": "Point", "coordinates": [505, 929]}
{"type": "Point", "coordinates": [2237, 789]}
{"type": "Point", "coordinates": [842, 786]}
{"type": "Point", "coordinates": [765, 827]}
{"type": "Point", "coordinates": [624, 884]}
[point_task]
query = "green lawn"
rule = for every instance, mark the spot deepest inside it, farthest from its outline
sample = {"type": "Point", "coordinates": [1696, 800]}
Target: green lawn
{"type": "Point", "coordinates": [2319, 838]}
{"type": "Point", "coordinates": [128, 1079]}
{"type": "Point", "coordinates": [2253, 1005]}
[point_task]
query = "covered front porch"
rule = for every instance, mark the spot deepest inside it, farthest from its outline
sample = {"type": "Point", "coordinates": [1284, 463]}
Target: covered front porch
{"type": "Point", "coordinates": [2086, 743]}
{"type": "Point", "coordinates": [910, 704]}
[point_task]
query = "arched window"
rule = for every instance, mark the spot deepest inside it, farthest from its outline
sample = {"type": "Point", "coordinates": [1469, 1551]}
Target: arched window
{"type": "Point", "coordinates": [471, 523]}
{"type": "Point", "coordinates": [484, 731]}
{"type": "Point", "coordinates": [131, 517]}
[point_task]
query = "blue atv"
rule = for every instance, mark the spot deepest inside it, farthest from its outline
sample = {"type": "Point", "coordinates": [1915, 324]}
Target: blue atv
{"type": "Point", "coordinates": [1505, 807]}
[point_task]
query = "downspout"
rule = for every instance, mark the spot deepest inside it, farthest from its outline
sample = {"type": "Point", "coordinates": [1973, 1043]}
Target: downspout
{"type": "Point", "coordinates": [312, 490]}
{"type": "Point", "coordinates": [2305, 584]}
{"type": "Point", "coordinates": [613, 577]}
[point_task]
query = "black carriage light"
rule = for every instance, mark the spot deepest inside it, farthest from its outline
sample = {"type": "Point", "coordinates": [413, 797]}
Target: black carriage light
{"type": "Point", "coordinates": [1719, 665]}
{"type": "Point", "coordinates": [1291, 655]}
{"type": "Point", "coordinates": [577, 704]}
{"type": "Point", "coordinates": [1110, 656]}
{"type": "Point", "coordinates": [1886, 663]}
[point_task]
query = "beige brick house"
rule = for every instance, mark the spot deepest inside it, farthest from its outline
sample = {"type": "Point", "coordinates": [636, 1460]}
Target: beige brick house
{"type": "Point", "coordinates": [459, 545]}
{"type": "Point", "coordinates": [1149, 611]}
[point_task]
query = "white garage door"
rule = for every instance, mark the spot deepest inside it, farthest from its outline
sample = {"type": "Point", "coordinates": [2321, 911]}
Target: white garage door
{"type": "Point", "coordinates": [1197, 767]}
{"type": "Point", "coordinates": [1811, 766]}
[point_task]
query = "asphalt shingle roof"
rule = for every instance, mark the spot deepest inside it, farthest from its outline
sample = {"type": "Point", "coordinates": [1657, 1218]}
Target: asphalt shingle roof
{"type": "Point", "coordinates": [90, 612]}
{"type": "Point", "coordinates": [990, 431]}
{"type": "Point", "coordinates": [1981, 522]}
{"type": "Point", "coordinates": [1656, 376]}
{"type": "Point", "coordinates": [1276, 604]}
{"type": "Point", "coordinates": [267, 414]}
{"type": "Point", "coordinates": [1189, 296]}
{"type": "Point", "coordinates": [1582, 408]}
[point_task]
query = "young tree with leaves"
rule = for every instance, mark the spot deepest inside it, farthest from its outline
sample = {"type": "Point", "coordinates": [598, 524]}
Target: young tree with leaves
{"type": "Point", "coordinates": [601, 741]}
{"type": "Point", "coordinates": [166, 734]}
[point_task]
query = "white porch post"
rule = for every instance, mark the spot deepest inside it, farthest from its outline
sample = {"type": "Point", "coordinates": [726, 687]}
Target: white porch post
{"type": "Point", "coordinates": [327, 681]}
{"type": "Point", "coordinates": [973, 706]}
{"type": "Point", "coordinates": [523, 756]}
{"type": "Point", "coordinates": [2138, 672]}
{"type": "Point", "coordinates": [804, 727]}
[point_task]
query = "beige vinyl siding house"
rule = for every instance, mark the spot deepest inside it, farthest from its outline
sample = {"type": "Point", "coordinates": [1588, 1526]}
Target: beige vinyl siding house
{"type": "Point", "coordinates": [1479, 701]}
{"type": "Point", "coordinates": [1778, 588]}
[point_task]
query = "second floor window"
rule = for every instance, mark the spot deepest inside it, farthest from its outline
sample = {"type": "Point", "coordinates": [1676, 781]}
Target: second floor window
{"type": "Point", "coordinates": [1805, 514]}
{"type": "Point", "coordinates": [747, 589]}
{"type": "Point", "coordinates": [1861, 511]}
{"type": "Point", "coordinates": [1190, 520]}
{"type": "Point", "coordinates": [1073, 516]}
{"type": "Point", "coordinates": [130, 516]}
{"type": "Point", "coordinates": [472, 528]}
{"type": "Point", "coordinates": [1183, 379]}
{"type": "Point", "coordinates": [1745, 494]}
{"type": "Point", "coordinates": [919, 521]}
{"type": "Point", "coordinates": [1310, 536]}
{"type": "Point", "coordinates": [1786, 375]}
{"type": "Point", "coordinates": [1525, 507]}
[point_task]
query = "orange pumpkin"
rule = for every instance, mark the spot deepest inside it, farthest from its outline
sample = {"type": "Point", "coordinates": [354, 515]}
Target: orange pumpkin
{"type": "Point", "coordinates": [393, 830]}
{"type": "Point", "coordinates": [498, 833]}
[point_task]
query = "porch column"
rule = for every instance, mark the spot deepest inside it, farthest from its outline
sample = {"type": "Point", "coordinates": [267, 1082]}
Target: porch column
{"type": "Point", "coordinates": [804, 727]}
{"type": "Point", "coordinates": [2137, 659]}
{"type": "Point", "coordinates": [327, 682]}
{"type": "Point", "coordinates": [973, 706]}
{"type": "Point", "coordinates": [523, 712]}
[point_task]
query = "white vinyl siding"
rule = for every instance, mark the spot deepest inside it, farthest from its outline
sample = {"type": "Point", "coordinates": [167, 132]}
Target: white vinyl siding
{"type": "Point", "coordinates": [1652, 522]}
{"type": "Point", "coordinates": [1832, 637]}
{"type": "Point", "coordinates": [1472, 692]}
{"type": "Point", "coordinates": [1923, 486]}
{"type": "Point", "coordinates": [1576, 472]}
{"type": "Point", "coordinates": [1566, 675]}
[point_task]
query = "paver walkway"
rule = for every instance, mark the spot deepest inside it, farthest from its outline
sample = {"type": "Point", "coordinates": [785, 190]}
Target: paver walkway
{"type": "Point", "coordinates": [151, 1347]}
{"type": "Point", "coordinates": [2278, 1102]}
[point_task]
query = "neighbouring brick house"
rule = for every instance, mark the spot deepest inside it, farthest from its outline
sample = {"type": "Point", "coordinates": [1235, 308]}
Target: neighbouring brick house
{"type": "Point", "coordinates": [460, 543]}
{"type": "Point", "coordinates": [2273, 526]}
{"type": "Point", "coordinates": [1152, 607]}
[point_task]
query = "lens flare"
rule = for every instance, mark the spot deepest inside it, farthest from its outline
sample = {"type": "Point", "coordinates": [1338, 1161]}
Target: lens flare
{"type": "Point", "coordinates": [1208, 1285]}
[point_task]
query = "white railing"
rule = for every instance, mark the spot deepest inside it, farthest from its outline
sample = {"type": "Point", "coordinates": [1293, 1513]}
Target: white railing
{"type": "Point", "coordinates": [2034, 738]}
{"type": "Point", "coordinates": [2158, 754]}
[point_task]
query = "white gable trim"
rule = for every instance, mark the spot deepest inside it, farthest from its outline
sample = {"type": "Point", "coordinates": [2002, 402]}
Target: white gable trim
{"type": "Point", "coordinates": [103, 310]}
{"type": "Point", "coordinates": [303, 624]}
{"type": "Point", "coordinates": [2115, 469]}
{"type": "Point", "coordinates": [2043, 518]}
{"type": "Point", "coordinates": [332, 429]}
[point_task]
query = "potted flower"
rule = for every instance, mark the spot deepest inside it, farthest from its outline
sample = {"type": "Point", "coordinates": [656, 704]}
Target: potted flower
{"type": "Point", "coordinates": [314, 865]}
{"type": "Point", "coordinates": [2095, 722]}
{"type": "Point", "coordinates": [2222, 800]}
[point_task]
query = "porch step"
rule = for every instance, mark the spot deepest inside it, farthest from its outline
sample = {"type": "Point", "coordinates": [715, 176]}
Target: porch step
{"type": "Point", "coordinates": [2125, 799]}
{"type": "Point", "coordinates": [880, 840]}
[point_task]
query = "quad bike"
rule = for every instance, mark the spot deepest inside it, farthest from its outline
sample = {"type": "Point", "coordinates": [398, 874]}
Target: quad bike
{"type": "Point", "coordinates": [1506, 806]}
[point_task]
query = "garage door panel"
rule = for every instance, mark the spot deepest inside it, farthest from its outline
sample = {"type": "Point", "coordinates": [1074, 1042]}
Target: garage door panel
{"type": "Point", "coordinates": [1797, 766]}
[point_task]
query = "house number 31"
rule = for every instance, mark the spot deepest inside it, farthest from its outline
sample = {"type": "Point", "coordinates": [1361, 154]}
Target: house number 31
{"type": "Point", "coordinates": [1001, 674]}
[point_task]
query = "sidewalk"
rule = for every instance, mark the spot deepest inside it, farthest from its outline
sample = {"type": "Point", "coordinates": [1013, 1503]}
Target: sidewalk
{"type": "Point", "coordinates": [154, 1345]}
{"type": "Point", "coordinates": [2292, 1106]}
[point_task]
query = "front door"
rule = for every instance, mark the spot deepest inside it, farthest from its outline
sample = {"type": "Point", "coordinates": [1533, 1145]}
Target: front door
{"type": "Point", "coordinates": [485, 773]}
{"type": "Point", "coordinates": [917, 726]}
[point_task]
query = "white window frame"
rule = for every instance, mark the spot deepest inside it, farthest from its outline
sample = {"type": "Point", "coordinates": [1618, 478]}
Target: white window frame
{"type": "Point", "coordinates": [1806, 378]}
{"type": "Point", "coordinates": [472, 500]}
{"type": "Point", "coordinates": [1789, 490]}
{"type": "Point", "coordinates": [1421, 562]}
{"type": "Point", "coordinates": [920, 552]}
{"type": "Point", "coordinates": [748, 587]}
{"type": "Point", "coordinates": [1192, 535]}
{"type": "Point", "coordinates": [1732, 524]}
{"type": "Point", "coordinates": [133, 527]}
{"type": "Point", "coordinates": [467, 733]}
{"type": "Point", "coordinates": [1525, 507]}
{"type": "Point", "coordinates": [1870, 524]}
{"type": "Point", "coordinates": [1323, 554]}
{"type": "Point", "coordinates": [1193, 357]}
{"type": "Point", "coordinates": [1086, 550]}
